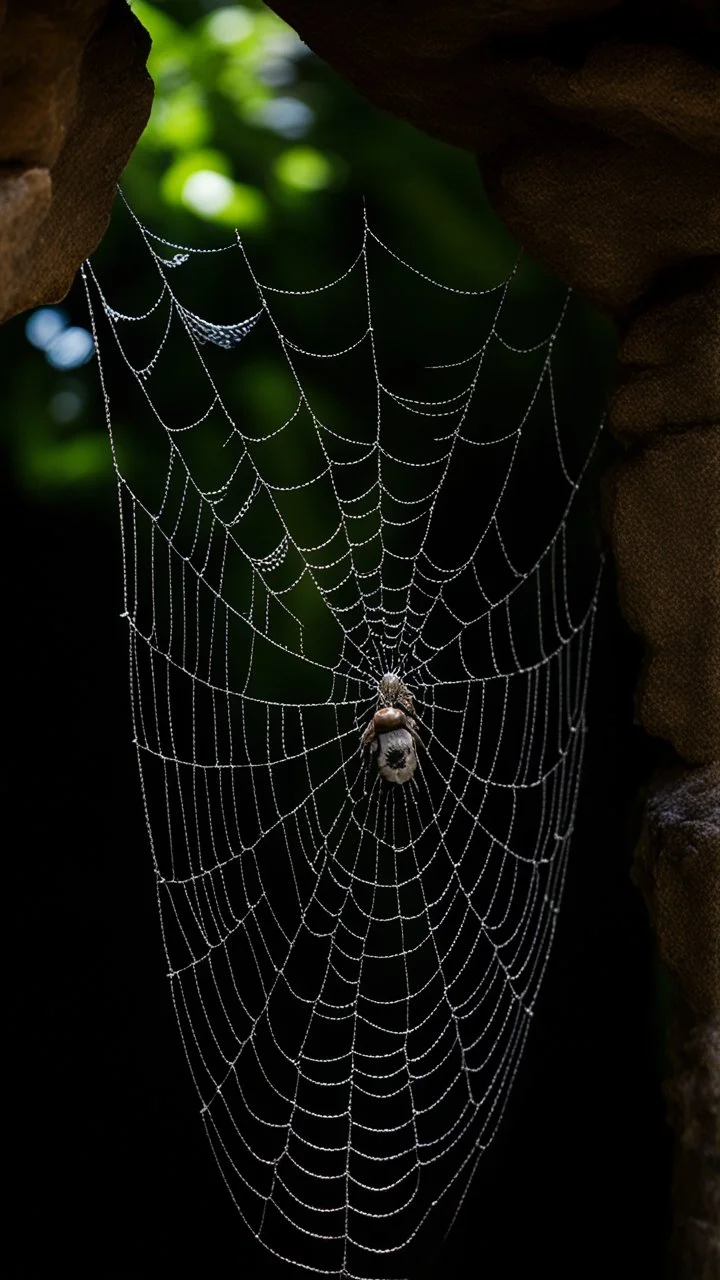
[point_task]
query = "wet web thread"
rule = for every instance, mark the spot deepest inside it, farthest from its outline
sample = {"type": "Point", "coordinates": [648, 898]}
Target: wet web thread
{"type": "Point", "coordinates": [354, 964]}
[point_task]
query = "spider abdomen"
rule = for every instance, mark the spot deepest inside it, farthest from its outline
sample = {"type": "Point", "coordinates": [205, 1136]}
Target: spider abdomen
{"type": "Point", "coordinates": [396, 755]}
{"type": "Point", "coordinates": [389, 718]}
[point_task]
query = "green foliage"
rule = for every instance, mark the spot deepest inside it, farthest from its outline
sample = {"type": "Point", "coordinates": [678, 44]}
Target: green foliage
{"type": "Point", "coordinates": [230, 96]}
{"type": "Point", "coordinates": [240, 96]}
{"type": "Point", "coordinates": [303, 169]}
{"type": "Point", "coordinates": [249, 130]}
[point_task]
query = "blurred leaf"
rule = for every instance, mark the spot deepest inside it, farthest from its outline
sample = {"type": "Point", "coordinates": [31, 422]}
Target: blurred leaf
{"type": "Point", "coordinates": [238, 82]}
{"type": "Point", "coordinates": [179, 120]}
{"type": "Point", "coordinates": [66, 464]}
{"type": "Point", "coordinates": [202, 182]}
{"type": "Point", "coordinates": [304, 169]}
{"type": "Point", "coordinates": [219, 199]}
{"type": "Point", "coordinates": [162, 28]}
{"type": "Point", "coordinates": [171, 46]}
{"type": "Point", "coordinates": [203, 160]}
{"type": "Point", "coordinates": [230, 26]}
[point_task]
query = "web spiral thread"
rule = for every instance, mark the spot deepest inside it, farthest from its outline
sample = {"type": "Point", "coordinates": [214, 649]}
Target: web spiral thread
{"type": "Point", "coordinates": [354, 965]}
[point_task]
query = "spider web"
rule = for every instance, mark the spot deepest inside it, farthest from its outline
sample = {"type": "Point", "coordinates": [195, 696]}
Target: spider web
{"type": "Point", "coordinates": [354, 965]}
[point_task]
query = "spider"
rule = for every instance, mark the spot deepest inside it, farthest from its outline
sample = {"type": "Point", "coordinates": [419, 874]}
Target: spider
{"type": "Point", "coordinates": [391, 737]}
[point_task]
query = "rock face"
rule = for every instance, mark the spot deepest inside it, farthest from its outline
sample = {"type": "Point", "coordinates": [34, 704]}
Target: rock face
{"type": "Point", "coordinates": [596, 124]}
{"type": "Point", "coordinates": [665, 530]}
{"type": "Point", "coordinates": [678, 868]}
{"type": "Point", "coordinates": [74, 99]}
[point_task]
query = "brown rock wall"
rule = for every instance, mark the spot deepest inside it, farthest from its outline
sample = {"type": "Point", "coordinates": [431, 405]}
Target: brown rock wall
{"type": "Point", "coordinates": [668, 373]}
{"type": "Point", "coordinates": [601, 216]}
{"type": "Point", "coordinates": [74, 98]}
{"type": "Point", "coordinates": [678, 868]}
{"type": "Point", "coordinates": [664, 524]}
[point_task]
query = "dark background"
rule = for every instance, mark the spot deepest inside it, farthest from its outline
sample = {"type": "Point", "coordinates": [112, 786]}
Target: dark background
{"type": "Point", "coordinates": [111, 1172]}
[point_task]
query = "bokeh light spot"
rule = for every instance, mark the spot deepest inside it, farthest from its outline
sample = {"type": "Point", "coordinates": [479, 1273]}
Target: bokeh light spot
{"type": "Point", "coordinates": [66, 406]}
{"type": "Point", "coordinates": [230, 25]}
{"type": "Point", "coordinates": [275, 72]}
{"type": "Point", "coordinates": [285, 44]}
{"type": "Point", "coordinates": [71, 348]}
{"type": "Point", "coordinates": [287, 116]}
{"type": "Point", "coordinates": [44, 326]}
{"type": "Point", "coordinates": [215, 197]}
{"type": "Point", "coordinates": [207, 192]}
{"type": "Point", "coordinates": [304, 169]}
